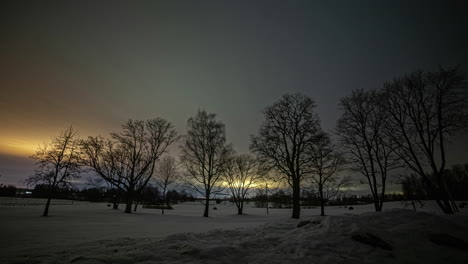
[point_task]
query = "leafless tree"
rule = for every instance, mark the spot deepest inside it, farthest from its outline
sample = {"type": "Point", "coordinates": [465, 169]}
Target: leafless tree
{"type": "Point", "coordinates": [166, 174]}
{"type": "Point", "coordinates": [205, 155]}
{"type": "Point", "coordinates": [289, 129]}
{"type": "Point", "coordinates": [367, 147]}
{"type": "Point", "coordinates": [243, 173]}
{"type": "Point", "coordinates": [424, 110]}
{"type": "Point", "coordinates": [127, 160]}
{"type": "Point", "coordinates": [58, 164]}
{"type": "Point", "coordinates": [325, 165]}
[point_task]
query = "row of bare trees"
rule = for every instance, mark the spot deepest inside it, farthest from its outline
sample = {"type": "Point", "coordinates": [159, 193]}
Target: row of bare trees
{"type": "Point", "coordinates": [290, 146]}
{"type": "Point", "coordinates": [128, 160]}
{"type": "Point", "coordinates": [406, 125]}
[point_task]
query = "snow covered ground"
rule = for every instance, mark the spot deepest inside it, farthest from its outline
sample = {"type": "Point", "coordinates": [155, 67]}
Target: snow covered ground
{"type": "Point", "coordinates": [93, 233]}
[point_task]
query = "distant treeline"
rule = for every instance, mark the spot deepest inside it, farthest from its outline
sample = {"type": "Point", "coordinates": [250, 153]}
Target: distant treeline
{"type": "Point", "coordinates": [413, 189]}
{"type": "Point", "coordinates": [150, 195]}
{"type": "Point", "coordinates": [281, 199]}
{"type": "Point", "coordinates": [7, 190]}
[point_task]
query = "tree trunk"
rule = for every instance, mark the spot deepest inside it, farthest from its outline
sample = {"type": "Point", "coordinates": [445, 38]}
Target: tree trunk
{"type": "Point", "coordinates": [128, 207]}
{"type": "Point", "coordinates": [322, 202]}
{"type": "Point", "coordinates": [207, 204]}
{"type": "Point", "coordinates": [46, 209]}
{"type": "Point", "coordinates": [115, 200]}
{"type": "Point", "coordinates": [454, 206]}
{"type": "Point", "coordinates": [128, 203]}
{"type": "Point", "coordinates": [136, 205]}
{"type": "Point", "coordinates": [436, 192]}
{"type": "Point", "coordinates": [167, 202]}
{"type": "Point", "coordinates": [382, 194]}
{"type": "Point", "coordinates": [439, 195]}
{"type": "Point", "coordinates": [443, 200]}
{"type": "Point", "coordinates": [240, 208]}
{"type": "Point", "coordinates": [129, 200]}
{"type": "Point", "coordinates": [448, 206]}
{"type": "Point", "coordinates": [377, 206]}
{"type": "Point", "coordinates": [163, 200]}
{"type": "Point", "coordinates": [296, 214]}
{"type": "Point", "coordinates": [448, 196]}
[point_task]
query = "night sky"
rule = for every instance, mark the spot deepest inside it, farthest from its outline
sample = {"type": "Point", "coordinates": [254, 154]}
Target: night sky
{"type": "Point", "coordinates": [94, 64]}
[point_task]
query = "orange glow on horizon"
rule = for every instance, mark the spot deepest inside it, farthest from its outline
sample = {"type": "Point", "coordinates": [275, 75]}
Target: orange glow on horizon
{"type": "Point", "coordinates": [17, 147]}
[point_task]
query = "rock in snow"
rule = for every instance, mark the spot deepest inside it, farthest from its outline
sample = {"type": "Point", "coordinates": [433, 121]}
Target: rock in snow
{"type": "Point", "coordinates": [394, 236]}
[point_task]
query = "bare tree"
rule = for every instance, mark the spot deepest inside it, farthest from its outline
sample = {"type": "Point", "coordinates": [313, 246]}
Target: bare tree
{"type": "Point", "coordinates": [127, 160]}
{"type": "Point", "coordinates": [243, 173]}
{"type": "Point", "coordinates": [325, 165]}
{"type": "Point", "coordinates": [424, 110]}
{"type": "Point", "coordinates": [58, 164]}
{"type": "Point", "coordinates": [205, 155]}
{"type": "Point", "coordinates": [369, 150]}
{"type": "Point", "coordinates": [166, 174]}
{"type": "Point", "coordinates": [289, 129]}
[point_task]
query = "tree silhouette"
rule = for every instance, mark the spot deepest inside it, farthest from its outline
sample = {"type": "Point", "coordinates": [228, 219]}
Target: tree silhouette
{"type": "Point", "coordinates": [205, 155]}
{"type": "Point", "coordinates": [127, 160]}
{"type": "Point", "coordinates": [290, 128]}
{"type": "Point", "coordinates": [243, 172]}
{"type": "Point", "coordinates": [325, 163]}
{"type": "Point", "coordinates": [425, 109]}
{"type": "Point", "coordinates": [58, 164]}
{"type": "Point", "coordinates": [367, 146]}
{"type": "Point", "coordinates": [166, 174]}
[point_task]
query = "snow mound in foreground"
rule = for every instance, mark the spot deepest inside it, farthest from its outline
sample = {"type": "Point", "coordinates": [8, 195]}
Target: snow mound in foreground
{"type": "Point", "coordinates": [395, 236]}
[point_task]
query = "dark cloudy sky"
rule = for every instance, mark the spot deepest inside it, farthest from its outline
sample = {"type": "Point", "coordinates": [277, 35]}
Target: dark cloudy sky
{"type": "Point", "coordinates": [95, 64]}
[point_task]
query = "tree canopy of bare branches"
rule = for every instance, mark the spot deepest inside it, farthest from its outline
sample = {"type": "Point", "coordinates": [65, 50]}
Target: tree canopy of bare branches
{"type": "Point", "coordinates": [57, 163]}
{"type": "Point", "coordinates": [243, 173]}
{"type": "Point", "coordinates": [367, 146]}
{"type": "Point", "coordinates": [325, 164]}
{"type": "Point", "coordinates": [289, 129]}
{"type": "Point", "coordinates": [424, 110]}
{"type": "Point", "coordinates": [205, 155]}
{"type": "Point", "coordinates": [127, 159]}
{"type": "Point", "coordinates": [166, 174]}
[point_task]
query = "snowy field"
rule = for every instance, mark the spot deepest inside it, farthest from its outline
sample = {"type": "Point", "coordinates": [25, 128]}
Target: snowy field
{"type": "Point", "coordinates": [81, 232]}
